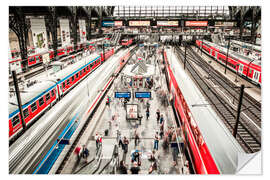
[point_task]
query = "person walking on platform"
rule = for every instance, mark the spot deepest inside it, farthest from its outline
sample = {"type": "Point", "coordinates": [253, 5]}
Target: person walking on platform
{"type": "Point", "coordinates": [126, 142]}
{"type": "Point", "coordinates": [97, 139]}
{"type": "Point", "coordinates": [85, 153]}
{"type": "Point", "coordinates": [161, 133]}
{"type": "Point", "coordinates": [161, 119]}
{"type": "Point", "coordinates": [156, 140]}
{"type": "Point", "coordinates": [108, 100]}
{"type": "Point", "coordinates": [147, 114]}
{"type": "Point", "coordinates": [122, 167]}
{"type": "Point", "coordinates": [136, 138]}
{"type": "Point", "coordinates": [135, 169]}
{"type": "Point", "coordinates": [158, 115]}
{"type": "Point", "coordinates": [78, 151]}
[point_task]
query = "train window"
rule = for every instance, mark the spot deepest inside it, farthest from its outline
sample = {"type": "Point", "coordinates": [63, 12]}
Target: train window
{"type": "Point", "coordinates": [72, 78]}
{"type": "Point", "coordinates": [52, 93]}
{"type": "Point", "coordinates": [34, 106]}
{"type": "Point", "coordinates": [80, 73]}
{"type": "Point", "coordinates": [64, 85]}
{"type": "Point", "coordinates": [250, 71]}
{"type": "Point", "coordinates": [32, 59]}
{"type": "Point", "coordinates": [77, 75]}
{"type": "Point", "coordinates": [15, 121]}
{"type": "Point", "coordinates": [83, 70]}
{"type": "Point", "coordinates": [48, 96]}
{"type": "Point", "coordinates": [87, 68]}
{"type": "Point", "coordinates": [41, 101]}
{"type": "Point", "coordinates": [91, 65]}
{"type": "Point", "coordinates": [68, 82]}
{"type": "Point", "coordinates": [25, 113]}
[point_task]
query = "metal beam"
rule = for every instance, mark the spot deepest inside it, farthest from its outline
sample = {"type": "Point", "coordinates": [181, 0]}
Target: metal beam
{"type": "Point", "coordinates": [18, 24]}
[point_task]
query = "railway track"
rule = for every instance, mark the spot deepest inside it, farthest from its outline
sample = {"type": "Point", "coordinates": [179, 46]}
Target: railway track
{"type": "Point", "coordinates": [29, 161]}
{"type": "Point", "coordinates": [251, 107]}
{"type": "Point", "coordinates": [249, 139]}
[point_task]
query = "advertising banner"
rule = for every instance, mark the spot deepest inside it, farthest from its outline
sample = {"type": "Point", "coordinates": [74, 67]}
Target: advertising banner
{"type": "Point", "coordinates": [167, 23]}
{"type": "Point", "coordinates": [112, 23]}
{"type": "Point", "coordinates": [39, 33]}
{"type": "Point", "coordinates": [82, 29]}
{"type": "Point", "coordinates": [139, 23]}
{"type": "Point", "coordinates": [196, 23]}
{"type": "Point", "coordinates": [225, 24]}
{"type": "Point", "coordinates": [65, 32]}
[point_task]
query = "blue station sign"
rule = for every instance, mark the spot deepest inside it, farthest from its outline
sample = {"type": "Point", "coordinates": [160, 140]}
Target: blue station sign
{"type": "Point", "coordinates": [122, 94]}
{"type": "Point", "coordinates": [142, 94]}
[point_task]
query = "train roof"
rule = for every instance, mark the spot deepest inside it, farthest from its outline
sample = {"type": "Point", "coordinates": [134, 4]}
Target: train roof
{"type": "Point", "coordinates": [64, 74]}
{"type": "Point", "coordinates": [252, 46]}
{"type": "Point", "coordinates": [29, 95]}
{"type": "Point", "coordinates": [234, 54]}
{"type": "Point", "coordinates": [220, 142]}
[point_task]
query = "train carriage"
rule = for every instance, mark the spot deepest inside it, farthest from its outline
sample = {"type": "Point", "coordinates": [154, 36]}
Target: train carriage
{"type": "Point", "coordinates": [242, 65]}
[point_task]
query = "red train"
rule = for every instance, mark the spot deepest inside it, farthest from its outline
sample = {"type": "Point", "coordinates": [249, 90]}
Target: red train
{"type": "Point", "coordinates": [42, 95]}
{"type": "Point", "coordinates": [127, 42]}
{"type": "Point", "coordinates": [243, 66]}
{"type": "Point", "coordinates": [35, 58]}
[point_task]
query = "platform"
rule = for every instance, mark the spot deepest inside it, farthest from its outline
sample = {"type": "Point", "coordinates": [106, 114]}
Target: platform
{"type": "Point", "coordinates": [146, 132]}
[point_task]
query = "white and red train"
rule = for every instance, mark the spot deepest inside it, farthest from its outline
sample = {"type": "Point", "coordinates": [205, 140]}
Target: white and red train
{"type": "Point", "coordinates": [35, 58]}
{"type": "Point", "coordinates": [42, 95]}
{"type": "Point", "coordinates": [243, 66]}
{"type": "Point", "coordinates": [212, 148]}
{"type": "Point", "coordinates": [127, 42]}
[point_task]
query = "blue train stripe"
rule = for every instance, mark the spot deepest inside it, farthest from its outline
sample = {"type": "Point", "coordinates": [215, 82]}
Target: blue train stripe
{"type": "Point", "coordinates": [41, 94]}
{"type": "Point", "coordinates": [48, 161]}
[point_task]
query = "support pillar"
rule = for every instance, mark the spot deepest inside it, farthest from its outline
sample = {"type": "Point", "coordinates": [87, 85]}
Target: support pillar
{"type": "Point", "coordinates": [51, 23]}
{"type": "Point", "coordinates": [18, 96]}
{"type": "Point", "coordinates": [100, 19]}
{"type": "Point", "coordinates": [17, 23]}
{"type": "Point", "coordinates": [253, 26]}
{"type": "Point", "coordinates": [74, 25]}
{"type": "Point", "coordinates": [238, 110]}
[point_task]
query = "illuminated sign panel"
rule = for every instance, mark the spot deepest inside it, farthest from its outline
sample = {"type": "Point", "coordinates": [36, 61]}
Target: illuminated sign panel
{"type": "Point", "coordinates": [167, 23]}
{"type": "Point", "coordinates": [222, 23]}
{"type": "Point", "coordinates": [122, 95]}
{"type": "Point", "coordinates": [112, 23]}
{"type": "Point", "coordinates": [139, 23]}
{"type": "Point", "coordinates": [143, 94]}
{"type": "Point", "coordinates": [196, 23]}
{"type": "Point", "coordinates": [118, 23]}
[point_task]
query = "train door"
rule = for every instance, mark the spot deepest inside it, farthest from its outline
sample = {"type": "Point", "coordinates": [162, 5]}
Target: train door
{"type": "Point", "coordinates": [241, 67]}
{"type": "Point", "coordinates": [216, 55]}
{"type": "Point", "coordinates": [256, 76]}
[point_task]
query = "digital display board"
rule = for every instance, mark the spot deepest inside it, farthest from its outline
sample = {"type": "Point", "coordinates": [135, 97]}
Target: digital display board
{"type": "Point", "coordinates": [118, 23]}
{"type": "Point", "coordinates": [122, 95]}
{"type": "Point", "coordinates": [167, 23]}
{"type": "Point", "coordinates": [112, 23]}
{"type": "Point", "coordinates": [226, 24]}
{"type": "Point", "coordinates": [142, 94]}
{"type": "Point", "coordinates": [139, 23]}
{"type": "Point", "coordinates": [196, 23]}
